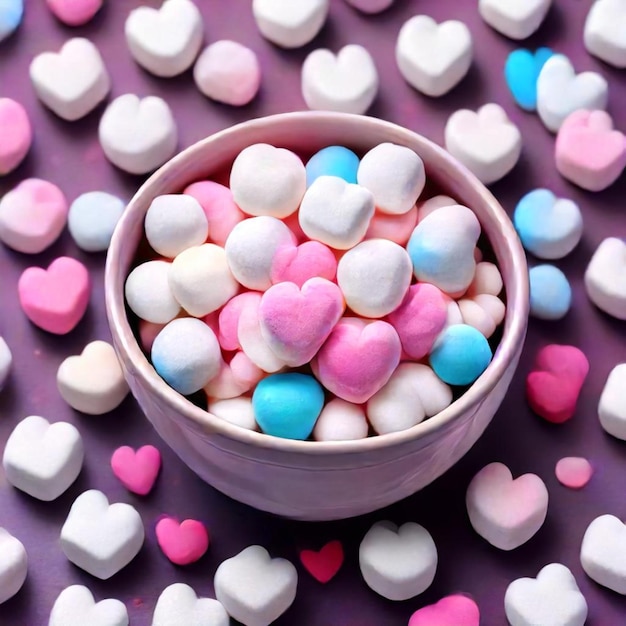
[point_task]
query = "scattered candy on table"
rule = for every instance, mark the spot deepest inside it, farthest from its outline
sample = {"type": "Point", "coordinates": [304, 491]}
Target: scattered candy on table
{"type": "Point", "coordinates": [513, 18]}
{"type": "Point", "coordinates": [17, 134]}
{"type": "Point", "coordinates": [612, 404]}
{"type": "Point", "coordinates": [182, 543]}
{"type": "Point", "coordinates": [604, 277]}
{"type": "Point", "coordinates": [550, 292]}
{"type": "Point", "coordinates": [179, 602]}
{"type": "Point", "coordinates": [76, 606]}
{"type": "Point", "coordinates": [13, 566]}
{"type": "Point", "coordinates": [521, 72]}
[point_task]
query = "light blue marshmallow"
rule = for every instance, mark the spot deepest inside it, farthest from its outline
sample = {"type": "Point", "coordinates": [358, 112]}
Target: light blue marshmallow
{"type": "Point", "coordinates": [333, 161]}
{"type": "Point", "coordinates": [288, 405]}
{"type": "Point", "coordinates": [550, 292]}
{"type": "Point", "coordinates": [548, 226]}
{"type": "Point", "coordinates": [460, 355]}
{"type": "Point", "coordinates": [521, 72]}
{"type": "Point", "coordinates": [92, 219]}
{"type": "Point", "coordinates": [11, 13]}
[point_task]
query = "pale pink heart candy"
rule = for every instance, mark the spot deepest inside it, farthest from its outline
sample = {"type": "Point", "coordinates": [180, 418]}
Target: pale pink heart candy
{"type": "Point", "coordinates": [455, 610]}
{"type": "Point", "coordinates": [229, 316]}
{"type": "Point", "coordinates": [74, 12]}
{"type": "Point", "coordinates": [219, 207]}
{"type": "Point", "coordinates": [136, 470]}
{"type": "Point", "coordinates": [396, 228]}
{"type": "Point", "coordinates": [358, 358]}
{"type": "Point", "coordinates": [589, 151]}
{"type": "Point", "coordinates": [419, 319]}
{"type": "Point", "coordinates": [234, 378]}
{"type": "Point", "coordinates": [297, 264]}
{"type": "Point", "coordinates": [182, 543]}
{"type": "Point", "coordinates": [296, 321]}
{"type": "Point", "coordinates": [16, 133]}
{"type": "Point", "coordinates": [506, 512]}
{"type": "Point", "coordinates": [55, 299]}
{"type": "Point", "coordinates": [32, 216]}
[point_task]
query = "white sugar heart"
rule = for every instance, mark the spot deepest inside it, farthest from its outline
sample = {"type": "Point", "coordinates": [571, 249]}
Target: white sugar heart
{"type": "Point", "coordinates": [72, 82]}
{"type": "Point", "coordinates": [551, 599]}
{"type": "Point", "coordinates": [398, 562]}
{"type": "Point", "coordinates": [612, 404]}
{"type": "Point", "coordinates": [165, 41]}
{"type": "Point", "coordinates": [506, 512]}
{"type": "Point", "coordinates": [433, 57]}
{"type": "Point", "coordinates": [6, 359]}
{"type": "Point", "coordinates": [517, 19]}
{"type": "Point", "coordinates": [13, 565]}
{"type": "Point", "coordinates": [560, 91]}
{"type": "Point", "coordinates": [254, 588]}
{"type": "Point", "coordinates": [336, 212]}
{"type": "Point", "coordinates": [43, 459]}
{"type": "Point", "coordinates": [486, 141]}
{"type": "Point", "coordinates": [412, 393]}
{"type": "Point", "coordinates": [605, 31]}
{"type": "Point", "coordinates": [179, 605]}
{"type": "Point", "coordinates": [92, 382]}
{"type": "Point", "coordinates": [101, 538]}
{"type": "Point", "coordinates": [603, 552]}
{"type": "Point", "coordinates": [75, 606]}
{"type": "Point", "coordinates": [605, 277]}
{"type": "Point", "coordinates": [347, 82]}
{"type": "Point", "coordinates": [138, 135]}
{"type": "Point", "coordinates": [290, 24]}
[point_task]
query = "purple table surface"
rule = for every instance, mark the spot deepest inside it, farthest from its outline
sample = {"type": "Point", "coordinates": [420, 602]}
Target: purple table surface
{"type": "Point", "coordinates": [69, 155]}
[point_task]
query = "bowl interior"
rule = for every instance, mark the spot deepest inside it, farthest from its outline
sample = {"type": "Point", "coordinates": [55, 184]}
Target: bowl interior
{"type": "Point", "coordinates": [305, 133]}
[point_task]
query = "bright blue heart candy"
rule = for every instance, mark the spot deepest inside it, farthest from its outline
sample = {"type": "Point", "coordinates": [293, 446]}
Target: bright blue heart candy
{"type": "Point", "coordinates": [460, 355]}
{"type": "Point", "coordinates": [521, 72]}
{"type": "Point", "coordinates": [11, 12]}
{"type": "Point", "coordinates": [288, 405]}
{"type": "Point", "coordinates": [333, 161]}
{"type": "Point", "coordinates": [550, 292]}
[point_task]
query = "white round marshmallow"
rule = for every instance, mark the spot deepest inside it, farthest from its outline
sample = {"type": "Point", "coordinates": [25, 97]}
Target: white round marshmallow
{"type": "Point", "coordinates": [341, 420]}
{"type": "Point", "coordinates": [148, 292]}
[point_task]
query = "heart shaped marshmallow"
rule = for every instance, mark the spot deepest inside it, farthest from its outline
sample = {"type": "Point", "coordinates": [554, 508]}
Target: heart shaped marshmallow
{"type": "Point", "coordinates": [138, 135]}
{"type": "Point", "coordinates": [72, 82]}
{"type": "Point", "coordinates": [184, 542]}
{"type": "Point", "coordinates": [604, 277]}
{"type": "Point", "coordinates": [521, 71]}
{"type": "Point", "coordinates": [13, 565]}
{"type": "Point", "coordinates": [137, 471]}
{"type": "Point", "coordinates": [612, 404]}
{"type": "Point", "coordinates": [455, 610]}
{"type": "Point", "coordinates": [101, 538]}
{"type": "Point", "coordinates": [254, 588]}
{"type": "Point", "coordinates": [516, 19]}
{"type": "Point", "coordinates": [178, 604]}
{"type": "Point", "coordinates": [11, 14]}
{"type": "Point", "coordinates": [6, 360]}
{"type": "Point", "coordinates": [433, 57]}
{"type": "Point", "coordinates": [75, 606]}
{"type": "Point", "coordinates": [74, 13]}
{"type": "Point", "coordinates": [398, 562]}
{"type": "Point", "coordinates": [43, 459]}
{"type": "Point", "coordinates": [167, 40]}
{"type": "Point", "coordinates": [551, 598]}
{"type": "Point", "coordinates": [503, 511]}
{"type": "Point", "coordinates": [605, 31]}
{"type": "Point", "coordinates": [346, 82]}
{"type": "Point", "coordinates": [324, 564]}
{"type": "Point", "coordinates": [17, 134]}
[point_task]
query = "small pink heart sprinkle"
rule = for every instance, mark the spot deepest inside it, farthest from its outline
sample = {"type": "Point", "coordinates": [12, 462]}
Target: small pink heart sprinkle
{"type": "Point", "coordinates": [324, 564]}
{"type": "Point", "coordinates": [16, 133]}
{"type": "Point", "coordinates": [455, 610]}
{"type": "Point", "coordinates": [137, 471]}
{"type": "Point", "coordinates": [182, 543]}
{"type": "Point", "coordinates": [55, 299]}
{"type": "Point", "coordinates": [573, 472]}
{"type": "Point", "coordinates": [74, 12]}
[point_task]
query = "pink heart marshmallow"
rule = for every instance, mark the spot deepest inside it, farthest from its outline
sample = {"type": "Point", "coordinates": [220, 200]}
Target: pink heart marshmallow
{"type": "Point", "coordinates": [455, 610]}
{"type": "Point", "coordinates": [296, 264]}
{"type": "Point", "coordinates": [16, 133]}
{"type": "Point", "coordinates": [137, 471]}
{"type": "Point", "coordinates": [182, 543]}
{"type": "Point", "coordinates": [74, 12]}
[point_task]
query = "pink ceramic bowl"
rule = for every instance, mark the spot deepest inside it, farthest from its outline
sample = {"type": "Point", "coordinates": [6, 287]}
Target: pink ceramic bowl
{"type": "Point", "coordinates": [303, 479]}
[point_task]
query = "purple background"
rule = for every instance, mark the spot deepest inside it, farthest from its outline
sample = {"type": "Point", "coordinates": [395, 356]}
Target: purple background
{"type": "Point", "coordinates": [69, 155]}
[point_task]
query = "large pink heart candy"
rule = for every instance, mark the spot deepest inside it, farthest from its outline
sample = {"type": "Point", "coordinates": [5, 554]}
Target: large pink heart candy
{"type": "Point", "coordinates": [55, 299]}
{"type": "Point", "coordinates": [589, 152]}
{"type": "Point", "coordinates": [296, 264]}
{"type": "Point", "coordinates": [74, 12]}
{"type": "Point", "coordinates": [455, 610]}
{"type": "Point", "coordinates": [182, 543]}
{"type": "Point", "coordinates": [137, 471]}
{"type": "Point", "coordinates": [295, 322]}
{"type": "Point", "coordinates": [358, 358]}
{"type": "Point", "coordinates": [16, 134]}
{"type": "Point", "coordinates": [419, 319]}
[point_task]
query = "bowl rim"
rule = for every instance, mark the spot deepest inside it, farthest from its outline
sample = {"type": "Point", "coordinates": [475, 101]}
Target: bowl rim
{"type": "Point", "coordinates": [514, 323]}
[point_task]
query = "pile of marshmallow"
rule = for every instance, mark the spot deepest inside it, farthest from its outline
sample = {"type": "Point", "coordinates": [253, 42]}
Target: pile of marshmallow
{"type": "Point", "coordinates": [319, 299]}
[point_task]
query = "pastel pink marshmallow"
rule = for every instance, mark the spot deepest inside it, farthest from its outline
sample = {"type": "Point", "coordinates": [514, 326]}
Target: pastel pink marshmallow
{"type": "Point", "coordinates": [295, 321]}
{"type": "Point", "coordinates": [228, 321]}
{"type": "Point", "coordinates": [396, 228]}
{"type": "Point", "coordinates": [16, 133]}
{"type": "Point", "coordinates": [182, 543]}
{"type": "Point", "coordinates": [297, 264]}
{"type": "Point", "coordinates": [358, 358]}
{"type": "Point", "coordinates": [419, 319]}
{"type": "Point", "coordinates": [55, 299]}
{"type": "Point", "coordinates": [234, 378]}
{"type": "Point", "coordinates": [74, 12]}
{"type": "Point", "coordinates": [455, 610]}
{"type": "Point", "coordinates": [147, 334]}
{"type": "Point", "coordinates": [228, 72]}
{"type": "Point", "coordinates": [573, 472]}
{"type": "Point", "coordinates": [32, 216]}
{"type": "Point", "coordinates": [219, 207]}
{"type": "Point", "coordinates": [589, 151]}
{"type": "Point", "coordinates": [136, 470]}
